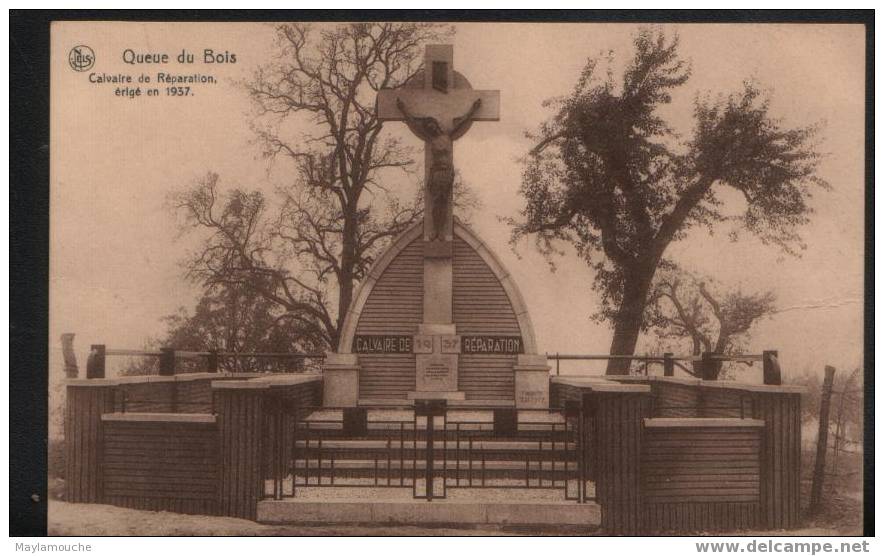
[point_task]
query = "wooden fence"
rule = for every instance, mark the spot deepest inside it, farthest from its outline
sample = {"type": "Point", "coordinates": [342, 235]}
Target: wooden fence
{"type": "Point", "coordinates": [701, 474]}
{"type": "Point", "coordinates": [658, 443]}
{"type": "Point", "coordinates": [160, 462]}
{"type": "Point", "coordinates": [199, 443]}
{"type": "Point", "coordinates": [127, 447]}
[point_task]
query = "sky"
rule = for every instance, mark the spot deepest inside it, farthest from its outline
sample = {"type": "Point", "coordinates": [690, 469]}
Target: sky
{"type": "Point", "coordinates": [116, 252]}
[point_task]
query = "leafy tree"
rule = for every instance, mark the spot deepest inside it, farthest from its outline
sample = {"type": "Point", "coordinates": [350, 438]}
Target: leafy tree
{"type": "Point", "coordinates": [682, 308]}
{"type": "Point", "coordinates": [241, 320]}
{"type": "Point", "coordinates": [315, 109]}
{"type": "Point", "coordinates": [611, 177]}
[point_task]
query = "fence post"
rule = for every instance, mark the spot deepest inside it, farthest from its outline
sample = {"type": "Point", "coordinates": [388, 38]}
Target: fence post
{"type": "Point", "coordinates": [70, 357]}
{"type": "Point", "coordinates": [668, 364]}
{"type": "Point", "coordinates": [85, 403]}
{"type": "Point", "coordinates": [771, 365]}
{"type": "Point", "coordinates": [355, 421]}
{"type": "Point", "coordinates": [167, 361]}
{"type": "Point", "coordinates": [618, 414]}
{"type": "Point", "coordinates": [708, 366]}
{"type": "Point", "coordinates": [95, 361]}
{"type": "Point", "coordinates": [212, 360]}
{"type": "Point", "coordinates": [780, 458]}
{"type": "Point", "coordinates": [239, 406]}
{"type": "Point", "coordinates": [819, 468]}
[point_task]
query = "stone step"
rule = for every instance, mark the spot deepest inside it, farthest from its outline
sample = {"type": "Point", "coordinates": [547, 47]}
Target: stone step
{"type": "Point", "coordinates": [477, 445]}
{"type": "Point", "coordinates": [417, 512]}
{"type": "Point", "coordinates": [409, 426]}
{"type": "Point", "coordinates": [452, 466]}
{"type": "Point", "coordinates": [451, 403]}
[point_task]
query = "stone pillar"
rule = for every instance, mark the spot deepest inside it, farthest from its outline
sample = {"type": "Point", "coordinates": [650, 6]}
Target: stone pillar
{"type": "Point", "coordinates": [438, 283]}
{"type": "Point", "coordinates": [532, 382]}
{"type": "Point", "coordinates": [340, 380]}
{"type": "Point", "coordinates": [240, 413]}
{"type": "Point", "coordinates": [86, 401]}
{"type": "Point", "coordinates": [71, 370]}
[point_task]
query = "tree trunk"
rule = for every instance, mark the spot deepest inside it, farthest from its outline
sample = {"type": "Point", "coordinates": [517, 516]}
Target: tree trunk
{"type": "Point", "coordinates": [629, 319]}
{"type": "Point", "coordinates": [345, 285]}
{"type": "Point", "coordinates": [720, 348]}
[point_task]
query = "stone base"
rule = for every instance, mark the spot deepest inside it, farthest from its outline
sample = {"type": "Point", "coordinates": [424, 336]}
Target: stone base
{"type": "Point", "coordinates": [340, 380]}
{"type": "Point", "coordinates": [532, 382]}
{"type": "Point", "coordinates": [418, 512]}
{"type": "Point", "coordinates": [450, 396]}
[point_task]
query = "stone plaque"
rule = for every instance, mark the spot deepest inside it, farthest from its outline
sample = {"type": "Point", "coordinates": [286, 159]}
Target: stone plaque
{"type": "Point", "coordinates": [423, 343]}
{"type": "Point", "coordinates": [449, 344]}
{"type": "Point", "coordinates": [436, 373]}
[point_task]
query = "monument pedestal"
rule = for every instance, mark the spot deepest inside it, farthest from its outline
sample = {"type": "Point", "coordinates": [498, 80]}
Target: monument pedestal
{"type": "Point", "coordinates": [340, 382]}
{"type": "Point", "coordinates": [532, 382]}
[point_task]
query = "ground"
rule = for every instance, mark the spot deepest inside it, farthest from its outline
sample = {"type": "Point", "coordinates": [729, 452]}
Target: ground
{"type": "Point", "coordinates": [842, 509]}
{"type": "Point", "coordinates": [104, 520]}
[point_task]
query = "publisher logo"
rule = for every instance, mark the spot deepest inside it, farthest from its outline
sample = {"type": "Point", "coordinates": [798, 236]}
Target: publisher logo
{"type": "Point", "coordinates": [81, 58]}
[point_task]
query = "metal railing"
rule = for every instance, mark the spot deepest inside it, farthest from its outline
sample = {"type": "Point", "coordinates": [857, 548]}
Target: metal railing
{"type": "Point", "coordinates": [707, 362]}
{"type": "Point", "coordinates": [427, 452]}
{"type": "Point", "coordinates": [168, 357]}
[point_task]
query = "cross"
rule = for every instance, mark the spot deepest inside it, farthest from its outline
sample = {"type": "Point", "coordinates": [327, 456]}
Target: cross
{"type": "Point", "coordinates": [439, 106]}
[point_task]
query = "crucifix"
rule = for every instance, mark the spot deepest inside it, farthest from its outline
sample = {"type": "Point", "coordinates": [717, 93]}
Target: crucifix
{"type": "Point", "coordinates": [439, 106]}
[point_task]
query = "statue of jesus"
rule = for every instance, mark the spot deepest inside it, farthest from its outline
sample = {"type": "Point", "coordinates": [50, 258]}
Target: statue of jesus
{"type": "Point", "coordinates": [441, 174]}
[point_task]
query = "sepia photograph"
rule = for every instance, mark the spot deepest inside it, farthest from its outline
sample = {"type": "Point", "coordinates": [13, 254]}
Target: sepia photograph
{"type": "Point", "coordinates": [451, 278]}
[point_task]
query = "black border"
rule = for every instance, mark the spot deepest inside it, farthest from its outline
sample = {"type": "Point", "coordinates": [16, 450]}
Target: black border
{"type": "Point", "coordinates": [869, 298]}
{"type": "Point", "coordinates": [29, 202]}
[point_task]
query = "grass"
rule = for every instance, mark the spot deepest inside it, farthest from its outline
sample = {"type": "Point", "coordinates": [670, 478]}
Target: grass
{"type": "Point", "coordinates": [842, 504]}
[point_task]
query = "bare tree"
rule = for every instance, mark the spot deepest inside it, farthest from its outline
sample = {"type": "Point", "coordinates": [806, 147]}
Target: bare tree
{"type": "Point", "coordinates": [239, 251]}
{"type": "Point", "coordinates": [849, 416]}
{"type": "Point", "coordinates": [845, 427]}
{"type": "Point", "coordinates": [315, 109]}
{"type": "Point", "coordinates": [610, 176]}
{"type": "Point", "coordinates": [682, 307]}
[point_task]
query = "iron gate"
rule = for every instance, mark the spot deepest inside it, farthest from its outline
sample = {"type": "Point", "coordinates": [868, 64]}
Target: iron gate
{"type": "Point", "coordinates": [428, 448]}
